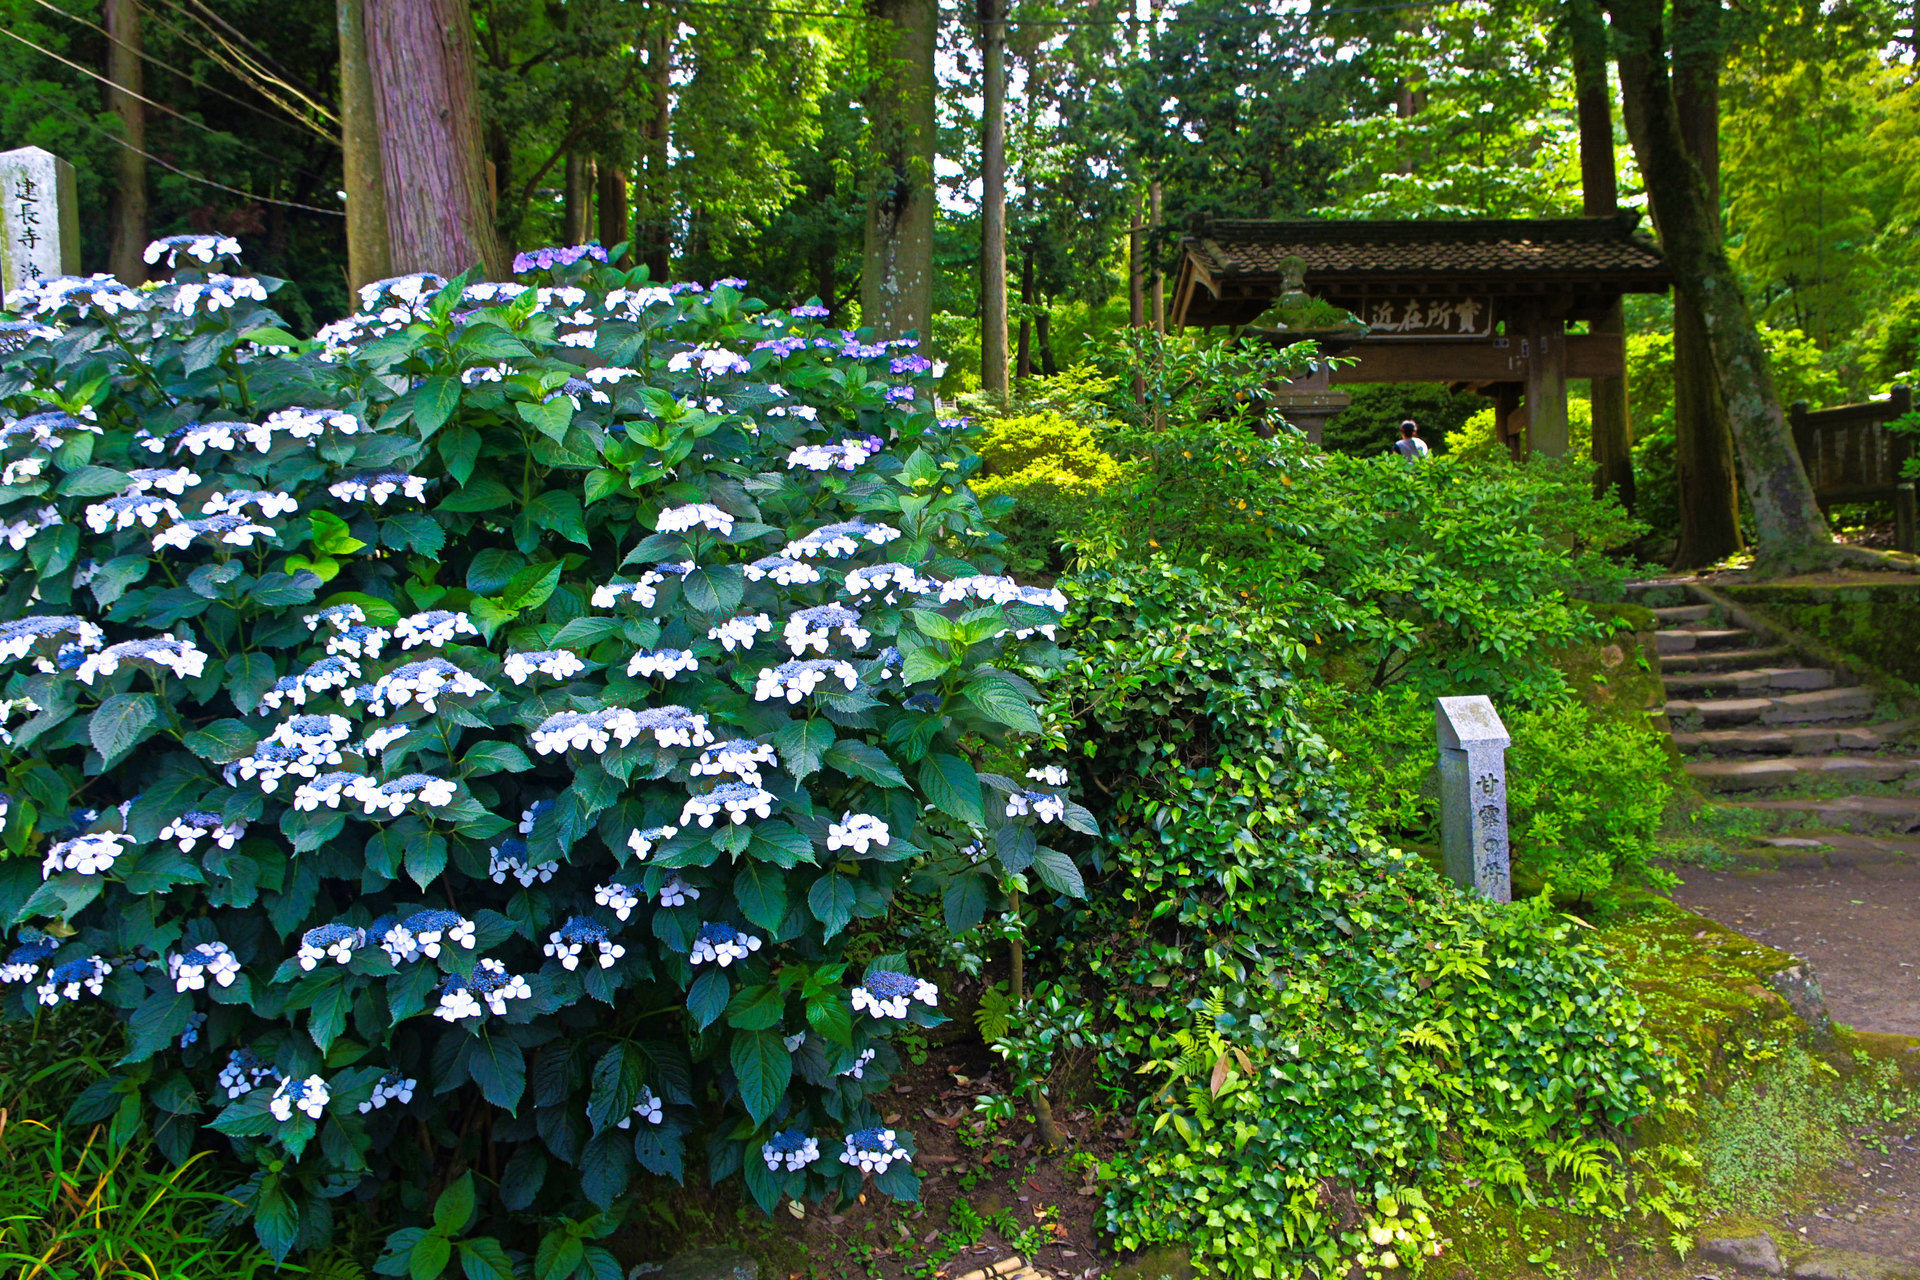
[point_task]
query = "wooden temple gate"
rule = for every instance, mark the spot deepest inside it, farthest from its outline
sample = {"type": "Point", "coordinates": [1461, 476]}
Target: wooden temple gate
{"type": "Point", "coordinates": [1481, 304]}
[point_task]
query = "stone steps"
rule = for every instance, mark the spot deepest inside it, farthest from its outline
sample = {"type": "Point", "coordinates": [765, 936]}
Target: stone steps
{"type": "Point", "coordinates": [1722, 659]}
{"type": "Point", "coordinates": [1821, 706]}
{"type": "Point", "coordinates": [1764, 775]}
{"type": "Point", "coordinates": [1897, 815]}
{"type": "Point", "coordinates": [1690, 640]}
{"type": "Point", "coordinates": [1681, 614]}
{"type": "Point", "coordinates": [1751, 680]}
{"type": "Point", "coordinates": [1787, 741]}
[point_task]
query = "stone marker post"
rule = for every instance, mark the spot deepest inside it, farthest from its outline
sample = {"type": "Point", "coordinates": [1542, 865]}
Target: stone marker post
{"type": "Point", "coordinates": [1473, 795]}
{"type": "Point", "coordinates": [39, 218]}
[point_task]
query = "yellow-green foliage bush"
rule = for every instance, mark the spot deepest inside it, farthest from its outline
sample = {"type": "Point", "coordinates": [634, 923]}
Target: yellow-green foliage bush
{"type": "Point", "coordinates": [1477, 441]}
{"type": "Point", "coordinates": [1053, 468]}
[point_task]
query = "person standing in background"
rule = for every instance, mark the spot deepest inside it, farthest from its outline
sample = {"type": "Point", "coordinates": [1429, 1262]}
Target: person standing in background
{"type": "Point", "coordinates": [1410, 445]}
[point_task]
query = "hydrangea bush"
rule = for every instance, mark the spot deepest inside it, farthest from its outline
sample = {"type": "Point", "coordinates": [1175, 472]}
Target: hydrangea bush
{"type": "Point", "coordinates": [464, 740]}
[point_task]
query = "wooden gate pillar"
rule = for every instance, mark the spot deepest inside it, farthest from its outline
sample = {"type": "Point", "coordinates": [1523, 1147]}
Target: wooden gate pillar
{"type": "Point", "coordinates": [1544, 348]}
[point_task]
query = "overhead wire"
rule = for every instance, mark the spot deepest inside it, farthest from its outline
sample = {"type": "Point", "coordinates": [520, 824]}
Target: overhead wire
{"type": "Point", "coordinates": [247, 69]}
{"type": "Point", "coordinates": [115, 138]}
{"type": "Point", "coordinates": [189, 77]}
{"type": "Point", "coordinates": [222, 134]}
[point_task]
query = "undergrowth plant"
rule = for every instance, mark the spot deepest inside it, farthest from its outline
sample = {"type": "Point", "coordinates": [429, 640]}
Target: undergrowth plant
{"type": "Point", "coordinates": [1329, 1032]}
{"type": "Point", "coordinates": [457, 747]}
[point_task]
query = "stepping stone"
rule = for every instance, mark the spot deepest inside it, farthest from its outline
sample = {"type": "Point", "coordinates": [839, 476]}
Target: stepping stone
{"type": "Point", "coordinates": [1725, 659]}
{"type": "Point", "coordinates": [1683, 613]}
{"type": "Point", "coordinates": [1788, 741]}
{"type": "Point", "coordinates": [1897, 814]}
{"type": "Point", "coordinates": [1821, 705]}
{"type": "Point", "coordinates": [1719, 711]}
{"type": "Point", "coordinates": [1757, 775]}
{"type": "Point", "coordinates": [1841, 1264]}
{"type": "Point", "coordinates": [1756, 680]}
{"type": "Point", "coordinates": [1688, 640]}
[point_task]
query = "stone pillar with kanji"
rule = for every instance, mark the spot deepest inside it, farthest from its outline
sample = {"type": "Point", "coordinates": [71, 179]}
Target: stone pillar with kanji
{"type": "Point", "coordinates": [39, 218]}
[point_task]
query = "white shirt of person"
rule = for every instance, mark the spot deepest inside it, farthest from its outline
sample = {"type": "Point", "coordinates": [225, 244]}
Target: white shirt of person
{"type": "Point", "coordinates": [1411, 447]}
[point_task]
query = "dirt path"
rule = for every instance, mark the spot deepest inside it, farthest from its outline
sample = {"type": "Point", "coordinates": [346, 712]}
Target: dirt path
{"type": "Point", "coordinates": [1859, 926]}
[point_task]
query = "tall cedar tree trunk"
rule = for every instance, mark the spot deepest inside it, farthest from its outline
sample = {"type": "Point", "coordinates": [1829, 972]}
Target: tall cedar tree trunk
{"type": "Point", "coordinates": [1137, 266]}
{"type": "Point", "coordinates": [1023, 362]}
{"type": "Point", "coordinates": [1703, 439]}
{"type": "Point", "coordinates": [896, 279]}
{"type": "Point", "coordinates": [1790, 534]}
{"type": "Point", "coordinates": [439, 214]}
{"type": "Point", "coordinates": [993, 202]}
{"type": "Point", "coordinates": [577, 199]}
{"type": "Point", "coordinates": [368, 258]}
{"type": "Point", "coordinates": [653, 206]}
{"type": "Point", "coordinates": [129, 239]}
{"type": "Point", "coordinates": [1043, 335]}
{"type": "Point", "coordinates": [1157, 281]}
{"type": "Point", "coordinates": [611, 200]}
{"type": "Point", "coordinates": [1600, 196]}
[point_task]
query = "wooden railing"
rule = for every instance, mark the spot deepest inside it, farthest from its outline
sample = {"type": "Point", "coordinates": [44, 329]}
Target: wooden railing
{"type": "Point", "coordinates": [1852, 455]}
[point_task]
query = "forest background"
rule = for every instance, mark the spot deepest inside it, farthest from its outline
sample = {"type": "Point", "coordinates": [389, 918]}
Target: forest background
{"type": "Point", "coordinates": [739, 139]}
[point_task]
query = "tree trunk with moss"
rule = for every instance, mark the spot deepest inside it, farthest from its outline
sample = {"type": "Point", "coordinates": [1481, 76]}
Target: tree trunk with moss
{"type": "Point", "coordinates": [896, 282]}
{"type": "Point", "coordinates": [1600, 198]}
{"type": "Point", "coordinates": [1790, 534]}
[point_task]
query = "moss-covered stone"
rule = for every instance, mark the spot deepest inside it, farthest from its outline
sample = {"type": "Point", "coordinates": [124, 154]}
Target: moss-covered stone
{"type": "Point", "coordinates": [1873, 623]}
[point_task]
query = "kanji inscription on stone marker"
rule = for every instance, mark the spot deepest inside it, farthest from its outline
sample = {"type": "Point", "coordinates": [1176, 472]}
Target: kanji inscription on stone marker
{"type": "Point", "coordinates": [1473, 795]}
{"type": "Point", "coordinates": [39, 218]}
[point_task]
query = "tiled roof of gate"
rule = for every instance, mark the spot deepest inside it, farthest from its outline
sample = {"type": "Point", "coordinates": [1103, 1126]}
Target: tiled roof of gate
{"type": "Point", "coordinates": [1492, 247]}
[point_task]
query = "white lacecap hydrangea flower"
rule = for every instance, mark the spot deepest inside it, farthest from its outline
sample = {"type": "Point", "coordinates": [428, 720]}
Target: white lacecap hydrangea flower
{"type": "Point", "coordinates": [21, 636]}
{"type": "Point", "coordinates": [89, 854]}
{"type": "Point", "coordinates": [382, 738]}
{"type": "Point", "coordinates": [662, 663]}
{"type": "Point", "coordinates": [873, 1150]}
{"type": "Point", "coordinates": [674, 726]}
{"type": "Point", "coordinates": [857, 831]}
{"type": "Point", "coordinates": [814, 628]}
{"type": "Point", "coordinates": [319, 736]}
{"type": "Point", "coordinates": [216, 292]}
{"type": "Point", "coordinates": [489, 989]}
{"type": "Point", "coordinates": [737, 800]}
{"type": "Point", "coordinates": [709, 361]}
{"type": "Point", "coordinates": [567, 943]}
{"type": "Point", "coordinates": [889, 579]}
{"type": "Point", "coordinates": [173, 480]}
{"type": "Point", "coordinates": [722, 944]}
{"type": "Point", "coordinates": [323, 676]}
{"type": "Point", "coordinates": [359, 641]}
{"type": "Point", "coordinates": [201, 248]}
{"type": "Point", "coordinates": [649, 1109]}
{"type": "Point", "coordinates": [424, 933]}
{"type": "Point", "coordinates": [98, 292]}
{"type": "Point", "coordinates": [677, 893]}
{"type": "Point", "coordinates": [391, 1087]}
{"type": "Point", "coordinates": [789, 1150]}
{"type": "Point", "coordinates": [335, 942]}
{"type": "Point", "coordinates": [21, 532]}
{"type": "Point", "coordinates": [424, 682]}
{"type": "Point", "coordinates": [695, 515]}
{"type": "Point", "coordinates": [1044, 806]}
{"type": "Point", "coordinates": [509, 858]}
{"type": "Point", "coordinates": [436, 627]}
{"type": "Point", "coordinates": [182, 657]}
{"type": "Point", "coordinates": [227, 530]}
{"type": "Point", "coordinates": [643, 592]}
{"type": "Point", "coordinates": [268, 502]}
{"type": "Point", "coordinates": [244, 1070]}
{"type": "Point", "coordinates": [1051, 775]}
{"type": "Point", "coordinates": [67, 981]}
{"type": "Point", "coordinates": [784, 570]}
{"type": "Point", "coordinates": [24, 961]}
{"type": "Point", "coordinates": [130, 509]}
{"type": "Point", "coordinates": [310, 1096]}
{"type": "Point", "coordinates": [340, 617]}
{"type": "Point", "coordinates": [843, 539]}
{"type": "Point", "coordinates": [617, 898]}
{"type": "Point", "coordinates": [326, 789]}
{"type": "Point", "coordinates": [210, 961]}
{"type": "Point", "coordinates": [269, 764]}
{"type": "Point", "coordinates": [796, 680]}
{"type": "Point", "coordinates": [858, 1071]}
{"type": "Point", "coordinates": [741, 757]}
{"type": "Point", "coordinates": [196, 825]}
{"type": "Point", "coordinates": [377, 486]}
{"type": "Point", "coordinates": [846, 456]}
{"type": "Point", "coordinates": [739, 632]}
{"type": "Point", "coordinates": [885, 993]}
{"type": "Point", "coordinates": [480, 373]}
{"type": "Point", "coordinates": [393, 797]}
{"type": "Point", "coordinates": [560, 664]}
{"type": "Point", "coordinates": [644, 842]}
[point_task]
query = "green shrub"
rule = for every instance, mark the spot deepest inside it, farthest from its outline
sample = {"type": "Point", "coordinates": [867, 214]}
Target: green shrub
{"type": "Point", "coordinates": [1370, 424]}
{"type": "Point", "coordinates": [1319, 1019]}
{"type": "Point", "coordinates": [419, 781]}
{"type": "Point", "coordinates": [1053, 469]}
{"type": "Point", "coordinates": [1585, 792]}
{"type": "Point", "coordinates": [1476, 440]}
